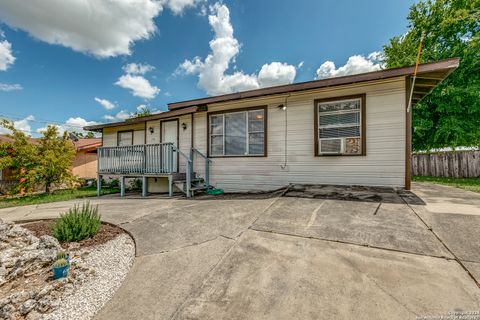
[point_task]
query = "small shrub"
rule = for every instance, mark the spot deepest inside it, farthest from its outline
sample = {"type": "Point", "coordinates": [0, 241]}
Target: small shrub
{"type": "Point", "coordinates": [112, 183]}
{"type": "Point", "coordinates": [135, 184]}
{"type": "Point", "coordinates": [77, 224]}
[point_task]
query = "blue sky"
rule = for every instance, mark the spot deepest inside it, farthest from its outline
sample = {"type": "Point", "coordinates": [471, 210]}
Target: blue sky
{"type": "Point", "coordinates": [54, 61]}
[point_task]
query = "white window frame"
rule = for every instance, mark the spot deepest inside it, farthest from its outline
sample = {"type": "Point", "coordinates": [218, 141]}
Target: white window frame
{"type": "Point", "coordinates": [247, 132]}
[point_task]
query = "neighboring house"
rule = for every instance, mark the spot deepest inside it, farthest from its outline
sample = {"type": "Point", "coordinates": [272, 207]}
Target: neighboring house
{"type": "Point", "coordinates": [84, 165]}
{"type": "Point", "coordinates": [85, 162]}
{"type": "Point", "coordinates": [351, 130]}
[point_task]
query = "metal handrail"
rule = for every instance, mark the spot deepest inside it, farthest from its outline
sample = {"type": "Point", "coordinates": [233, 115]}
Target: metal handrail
{"type": "Point", "coordinates": [202, 155]}
{"type": "Point", "coordinates": [188, 179]}
{"type": "Point", "coordinates": [207, 166]}
{"type": "Point", "coordinates": [135, 145]}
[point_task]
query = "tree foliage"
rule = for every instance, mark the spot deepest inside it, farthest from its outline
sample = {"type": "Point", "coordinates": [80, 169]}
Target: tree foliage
{"type": "Point", "coordinates": [450, 115]}
{"type": "Point", "coordinates": [87, 135]}
{"type": "Point", "coordinates": [142, 112]}
{"type": "Point", "coordinates": [47, 161]}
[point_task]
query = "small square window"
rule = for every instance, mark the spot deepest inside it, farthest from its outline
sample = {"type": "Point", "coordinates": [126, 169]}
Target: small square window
{"type": "Point", "coordinates": [339, 126]}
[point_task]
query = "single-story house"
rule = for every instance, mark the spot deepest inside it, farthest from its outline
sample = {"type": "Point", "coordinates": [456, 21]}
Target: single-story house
{"type": "Point", "coordinates": [350, 130]}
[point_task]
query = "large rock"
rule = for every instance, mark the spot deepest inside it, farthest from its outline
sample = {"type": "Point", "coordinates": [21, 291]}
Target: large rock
{"type": "Point", "coordinates": [48, 242]}
{"type": "Point", "coordinates": [24, 256]}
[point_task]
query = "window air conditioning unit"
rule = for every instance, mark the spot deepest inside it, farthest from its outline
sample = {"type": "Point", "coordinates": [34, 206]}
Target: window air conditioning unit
{"type": "Point", "coordinates": [332, 146]}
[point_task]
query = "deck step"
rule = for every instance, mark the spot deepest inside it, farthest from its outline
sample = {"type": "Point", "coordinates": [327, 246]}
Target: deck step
{"type": "Point", "coordinates": [191, 181]}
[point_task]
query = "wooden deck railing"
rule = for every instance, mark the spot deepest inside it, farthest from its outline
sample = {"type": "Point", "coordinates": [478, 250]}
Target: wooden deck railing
{"type": "Point", "coordinates": [138, 159]}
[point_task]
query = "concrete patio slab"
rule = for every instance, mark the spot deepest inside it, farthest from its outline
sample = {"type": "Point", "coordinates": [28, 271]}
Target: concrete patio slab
{"type": "Point", "coordinates": [383, 225]}
{"type": "Point", "coordinates": [271, 276]}
{"type": "Point", "coordinates": [157, 285]}
{"type": "Point", "coordinates": [202, 221]}
{"type": "Point", "coordinates": [460, 232]}
{"type": "Point", "coordinates": [454, 215]}
{"type": "Point", "coordinates": [268, 257]}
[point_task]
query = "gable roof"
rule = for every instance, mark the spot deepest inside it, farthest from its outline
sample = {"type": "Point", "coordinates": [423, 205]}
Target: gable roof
{"type": "Point", "coordinates": [87, 144]}
{"type": "Point", "coordinates": [429, 75]}
{"type": "Point", "coordinates": [7, 138]}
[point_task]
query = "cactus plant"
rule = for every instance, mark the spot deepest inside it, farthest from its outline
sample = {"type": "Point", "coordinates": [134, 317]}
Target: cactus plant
{"type": "Point", "coordinates": [60, 263]}
{"type": "Point", "coordinates": [61, 255]}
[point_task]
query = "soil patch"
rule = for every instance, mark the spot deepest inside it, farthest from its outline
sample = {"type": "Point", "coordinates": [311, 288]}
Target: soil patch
{"type": "Point", "coordinates": [106, 233]}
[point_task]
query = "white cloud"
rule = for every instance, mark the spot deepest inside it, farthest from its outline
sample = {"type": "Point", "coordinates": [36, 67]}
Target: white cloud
{"type": "Point", "coordinates": [104, 28]}
{"type": "Point", "coordinates": [10, 87]}
{"type": "Point", "coordinates": [22, 125]}
{"type": "Point", "coordinates": [6, 56]}
{"type": "Point", "coordinates": [138, 85]}
{"type": "Point", "coordinates": [211, 72]}
{"type": "Point", "coordinates": [276, 73]}
{"type": "Point", "coordinates": [355, 64]}
{"type": "Point", "coordinates": [137, 68]}
{"type": "Point", "coordinates": [300, 64]}
{"type": "Point", "coordinates": [141, 107]}
{"type": "Point", "coordinates": [72, 124]}
{"type": "Point", "coordinates": [105, 103]}
{"type": "Point", "coordinates": [120, 116]}
{"type": "Point", "coordinates": [178, 6]}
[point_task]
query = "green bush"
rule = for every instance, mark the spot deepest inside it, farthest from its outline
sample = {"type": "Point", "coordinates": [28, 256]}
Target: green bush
{"type": "Point", "coordinates": [77, 224]}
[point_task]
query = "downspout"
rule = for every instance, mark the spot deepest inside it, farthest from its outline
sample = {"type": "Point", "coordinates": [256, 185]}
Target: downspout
{"type": "Point", "coordinates": [285, 108]}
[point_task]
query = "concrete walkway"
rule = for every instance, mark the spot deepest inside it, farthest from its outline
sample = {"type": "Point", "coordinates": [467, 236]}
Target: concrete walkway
{"type": "Point", "coordinates": [294, 258]}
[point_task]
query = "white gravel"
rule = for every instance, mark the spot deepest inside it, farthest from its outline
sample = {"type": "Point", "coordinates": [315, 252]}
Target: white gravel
{"type": "Point", "coordinates": [111, 262]}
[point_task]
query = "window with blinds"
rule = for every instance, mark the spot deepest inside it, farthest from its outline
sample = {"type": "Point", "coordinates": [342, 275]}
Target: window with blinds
{"type": "Point", "coordinates": [339, 126]}
{"type": "Point", "coordinates": [125, 138]}
{"type": "Point", "coordinates": [240, 133]}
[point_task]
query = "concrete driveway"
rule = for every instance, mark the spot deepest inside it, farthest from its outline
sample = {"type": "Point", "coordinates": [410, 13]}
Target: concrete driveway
{"type": "Point", "coordinates": [373, 255]}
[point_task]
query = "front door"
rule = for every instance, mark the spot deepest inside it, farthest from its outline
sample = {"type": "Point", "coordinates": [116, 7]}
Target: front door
{"type": "Point", "coordinates": [169, 133]}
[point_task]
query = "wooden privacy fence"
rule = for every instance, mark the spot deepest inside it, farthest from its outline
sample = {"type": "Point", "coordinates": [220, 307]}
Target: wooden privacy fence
{"type": "Point", "coordinates": [458, 164]}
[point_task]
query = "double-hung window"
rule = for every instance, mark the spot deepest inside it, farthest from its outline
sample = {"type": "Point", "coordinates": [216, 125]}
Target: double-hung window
{"type": "Point", "coordinates": [339, 128]}
{"type": "Point", "coordinates": [124, 138]}
{"type": "Point", "coordinates": [237, 133]}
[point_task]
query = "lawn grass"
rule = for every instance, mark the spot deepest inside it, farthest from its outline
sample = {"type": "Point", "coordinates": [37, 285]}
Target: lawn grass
{"type": "Point", "coordinates": [58, 195]}
{"type": "Point", "coordinates": [470, 184]}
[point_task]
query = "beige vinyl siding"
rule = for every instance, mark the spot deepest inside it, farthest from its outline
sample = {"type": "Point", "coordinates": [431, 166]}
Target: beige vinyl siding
{"type": "Point", "coordinates": [110, 134]}
{"type": "Point", "coordinates": [155, 136]}
{"type": "Point", "coordinates": [384, 164]}
{"type": "Point", "coordinates": [184, 139]}
{"type": "Point", "coordinates": [138, 137]}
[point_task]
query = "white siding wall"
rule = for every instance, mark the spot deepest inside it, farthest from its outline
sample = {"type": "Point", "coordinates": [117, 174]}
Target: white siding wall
{"type": "Point", "coordinates": [384, 164]}
{"type": "Point", "coordinates": [155, 136]}
{"type": "Point", "coordinates": [110, 134]}
{"type": "Point", "coordinates": [184, 139]}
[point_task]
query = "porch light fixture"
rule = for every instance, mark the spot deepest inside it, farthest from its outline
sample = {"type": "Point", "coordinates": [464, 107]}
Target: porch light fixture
{"type": "Point", "coordinates": [151, 130]}
{"type": "Point", "coordinates": [282, 107]}
{"type": "Point", "coordinates": [184, 126]}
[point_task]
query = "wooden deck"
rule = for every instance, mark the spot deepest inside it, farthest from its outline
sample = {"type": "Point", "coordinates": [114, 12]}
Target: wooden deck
{"type": "Point", "coordinates": [146, 159]}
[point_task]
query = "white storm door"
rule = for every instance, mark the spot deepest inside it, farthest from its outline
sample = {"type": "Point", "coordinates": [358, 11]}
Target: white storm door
{"type": "Point", "coordinates": [170, 134]}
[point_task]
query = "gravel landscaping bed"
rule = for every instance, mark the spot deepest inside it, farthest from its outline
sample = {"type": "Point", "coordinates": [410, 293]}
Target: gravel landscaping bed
{"type": "Point", "coordinates": [27, 290]}
{"type": "Point", "coordinates": [110, 263]}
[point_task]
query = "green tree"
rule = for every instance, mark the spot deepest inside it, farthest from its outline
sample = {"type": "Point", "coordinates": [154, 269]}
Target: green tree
{"type": "Point", "coordinates": [450, 115]}
{"type": "Point", "coordinates": [142, 112]}
{"type": "Point", "coordinates": [20, 155]}
{"type": "Point", "coordinates": [87, 135]}
{"type": "Point", "coordinates": [45, 161]}
{"type": "Point", "coordinates": [56, 158]}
